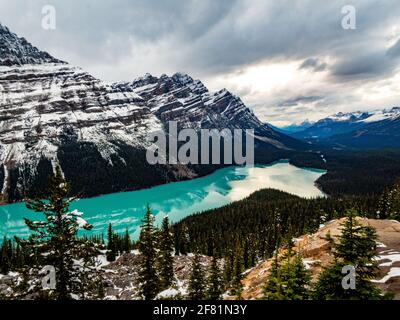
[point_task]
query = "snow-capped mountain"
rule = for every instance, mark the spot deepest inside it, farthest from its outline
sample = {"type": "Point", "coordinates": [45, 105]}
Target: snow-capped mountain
{"type": "Point", "coordinates": [52, 113]}
{"type": "Point", "coordinates": [373, 129]}
{"type": "Point", "coordinates": [386, 114]}
{"type": "Point", "coordinates": [335, 124]}
{"type": "Point", "coordinates": [18, 51]}
{"type": "Point", "coordinates": [380, 130]}
{"type": "Point", "coordinates": [187, 101]}
{"type": "Point", "coordinates": [295, 127]}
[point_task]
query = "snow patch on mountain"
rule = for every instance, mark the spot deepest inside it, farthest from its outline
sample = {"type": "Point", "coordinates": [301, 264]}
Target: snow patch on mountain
{"type": "Point", "coordinates": [17, 51]}
{"type": "Point", "coordinates": [381, 115]}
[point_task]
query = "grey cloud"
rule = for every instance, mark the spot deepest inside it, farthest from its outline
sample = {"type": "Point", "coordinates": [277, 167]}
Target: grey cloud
{"type": "Point", "coordinates": [369, 64]}
{"type": "Point", "coordinates": [366, 65]}
{"type": "Point", "coordinates": [314, 64]}
{"type": "Point", "coordinates": [122, 39]}
{"type": "Point", "coordinates": [300, 99]}
{"type": "Point", "coordinates": [201, 37]}
{"type": "Point", "coordinates": [394, 51]}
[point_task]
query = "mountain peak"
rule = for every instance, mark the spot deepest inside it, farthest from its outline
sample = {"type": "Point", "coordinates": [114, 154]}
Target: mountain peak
{"type": "Point", "coordinates": [16, 51]}
{"type": "Point", "coordinates": [182, 78]}
{"type": "Point", "coordinates": [346, 117]}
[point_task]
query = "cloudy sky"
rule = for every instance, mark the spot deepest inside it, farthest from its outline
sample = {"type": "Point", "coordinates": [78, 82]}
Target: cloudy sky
{"type": "Point", "coordinates": [288, 60]}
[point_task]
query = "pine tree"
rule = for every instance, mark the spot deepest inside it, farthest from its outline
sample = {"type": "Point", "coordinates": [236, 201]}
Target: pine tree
{"type": "Point", "coordinates": [356, 248]}
{"type": "Point", "coordinates": [184, 241]}
{"type": "Point", "coordinates": [228, 267]}
{"type": "Point", "coordinates": [127, 241]}
{"type": "Point", "coordinates": [389, 204]}
{"type": "Point", "coordinates": [215, 285]}
{"type": "Point", "coordinates": [289, 279]}
{"type": "Point", "coordinates": [297, 279]}
{"type": "Point", "coordinates": [273, 289]}
{"type": "Point", "coordinates": [166, 259]}
{"type": "Point", "coordinates": [5, 256]}
{"type": "Point", "coordinates": [55, 242]}
{"type": "Point", "coordinates": [237, 276]}
{"type": "Point", "coordinates": [196, 281]}
{"type": "Point", "coordinates": [111, 247]}
{"type": "Point", "coordinates": [149, 284]}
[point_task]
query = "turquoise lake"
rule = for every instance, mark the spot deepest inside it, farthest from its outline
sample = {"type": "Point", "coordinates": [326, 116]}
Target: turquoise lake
{"type": "Point", "coordinates": [178, 199]}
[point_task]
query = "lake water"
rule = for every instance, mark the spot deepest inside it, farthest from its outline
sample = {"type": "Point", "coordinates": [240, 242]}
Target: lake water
{"type": "Point", "coordinates": [178, 199]}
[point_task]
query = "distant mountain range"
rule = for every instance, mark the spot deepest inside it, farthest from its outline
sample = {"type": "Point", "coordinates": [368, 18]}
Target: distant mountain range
{"type": "Point", "coordinates": [357, 130]}
{"type": "Point", "coordinates": [52, 113]}
{"type": "Point", "coordinates": [293, 128]}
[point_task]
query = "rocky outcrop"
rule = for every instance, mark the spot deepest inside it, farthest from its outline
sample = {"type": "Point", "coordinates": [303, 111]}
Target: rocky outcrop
{"type": "Point", "coordinates": [315, 249]}
{"type": "Point", "coordinates": [187, 101]}
{"type": "Point", "coordinates": [122, 279]}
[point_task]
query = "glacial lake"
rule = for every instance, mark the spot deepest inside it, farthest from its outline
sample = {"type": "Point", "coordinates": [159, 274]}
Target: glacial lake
{"type": "Point", "coordinates": [178, 199]}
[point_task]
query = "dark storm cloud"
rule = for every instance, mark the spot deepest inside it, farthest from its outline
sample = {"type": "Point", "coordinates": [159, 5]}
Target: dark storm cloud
{"type": "Point", "coordinates": [371, 64]}
{"type": "Point", "coordinates": [394, 51]}
{"type": "Point", "coordinates": [314, 64]}
{"type": "Point", "coordinates": [298, 100]}
{"type": "Point", "coordinates": [202, 36]}
{"type": "Point", "coordinates": [212, 40]}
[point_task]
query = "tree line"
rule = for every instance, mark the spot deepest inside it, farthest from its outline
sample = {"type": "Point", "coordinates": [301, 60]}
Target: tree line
{"type": "Point", "coordinates": [236, 237]}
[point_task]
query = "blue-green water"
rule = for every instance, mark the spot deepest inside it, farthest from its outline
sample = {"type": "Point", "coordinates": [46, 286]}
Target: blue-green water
{"type": "Point", "coordinates": [178, 200]}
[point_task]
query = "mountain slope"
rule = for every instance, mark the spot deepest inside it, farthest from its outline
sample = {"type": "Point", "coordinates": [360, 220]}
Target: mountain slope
{"type": "Point", "coordinates": [359, 130]}
{"type": "Point", "coordinates": [185, 100]}
{"type": "Point", "coordinates": [293, 128]}
{"type": "Point", "coordinates": [52, 113]}
{"type": "Point", "coordinates": [336, 124]}
{"type": "Point", "coordinates": [17, 51]}
{"type": "Point", "coordinates": [316, 252]}
{"type": "Point", "coordinates": [372, 135]}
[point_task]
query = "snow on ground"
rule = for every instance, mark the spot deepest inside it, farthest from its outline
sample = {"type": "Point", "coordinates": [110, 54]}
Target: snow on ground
{"type": "Point", "coordinates": [168, 294]}
{"type": "Point", "coordinates": [102, 260]}
{"type": "Point", "coordinates": [309, 263]}
{"type": "Point", "coordinates": [394, 272]}
{"type": "Point", "coordinates": [393, 256]}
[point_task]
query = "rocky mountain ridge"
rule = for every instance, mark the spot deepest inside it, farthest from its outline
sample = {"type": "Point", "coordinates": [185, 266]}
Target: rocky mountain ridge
{"type": "Point", "coordinates": [53, 113]}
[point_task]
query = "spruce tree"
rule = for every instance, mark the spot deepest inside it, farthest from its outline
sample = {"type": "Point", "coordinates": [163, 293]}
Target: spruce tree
{"type": "Point", "coordinates": [6, 256]}
{"type": "Point", "coordinates": [166, 259]}
{"type": "Point", "coordinates": [149, 283]}
{"type": "Point", "coordinates": [297, 279]}
{"type": "Point", "coordinates": [288, 279]}
{"type": "Point", "coordinates": [184, 241]}
{"type": "Point", "coordinates": [228, 267]}
{"type": "Point", "coordinates": [196, 281]}
{"type": "Point", "coordinates": [389, 204]}
{"type": "Point", "coordinates": [127, 241]}
{"type": "Point", "coordinates": [55, 242]}
{"type": "Point", "coordinates": [215, 284]}
{"type": "Point", "coordinates": [356, 248]}
{"type": "Point", "coordinates": [273, 289]}
{"type": "Point", "coordinates": [111, 246]}
{"type": "Point", "coordinates": [237, 276]}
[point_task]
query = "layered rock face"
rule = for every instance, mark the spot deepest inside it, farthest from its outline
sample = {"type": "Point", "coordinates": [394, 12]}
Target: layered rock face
{"type": "Point", "coordinates": [18, 51]}
{"type": "Point", "coordinates": [187, 101]}
{"type": "Point", "coordinates": [52, 113]}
